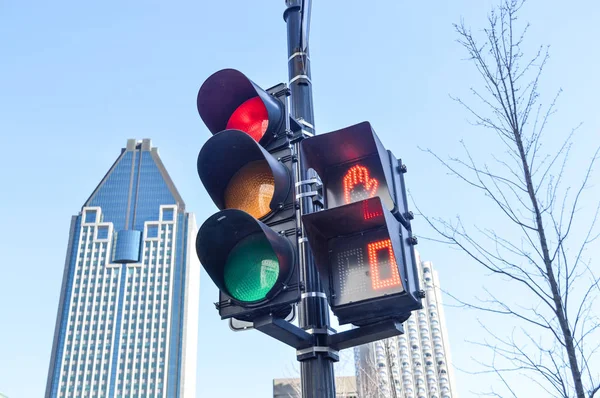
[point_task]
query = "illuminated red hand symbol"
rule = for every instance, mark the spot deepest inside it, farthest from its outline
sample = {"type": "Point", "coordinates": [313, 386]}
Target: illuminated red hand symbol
{"type": "Point", "coordinates": [359, 175]}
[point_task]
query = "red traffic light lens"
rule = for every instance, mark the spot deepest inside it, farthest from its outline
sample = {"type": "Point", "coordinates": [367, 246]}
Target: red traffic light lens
{"type": "Point", "coordinates": [251, 117]}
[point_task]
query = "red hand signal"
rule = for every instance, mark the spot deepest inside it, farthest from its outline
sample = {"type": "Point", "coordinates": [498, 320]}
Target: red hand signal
{"type": "Point", "coordinates": [359, 175]}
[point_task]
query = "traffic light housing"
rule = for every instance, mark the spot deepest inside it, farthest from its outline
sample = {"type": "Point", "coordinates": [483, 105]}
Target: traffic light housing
{"type": "Point", "coordinates": [362, 242]}
{"type": "Point", "coordinates": [366, 260]}
{"type": "Point", "coordinates": [250, 263]}
{"type": "Point", "coordinates": [249, 247]}
{"type": "Point", "coordinates": [354, 165]}
{"type": "Point", "coordinates": [248, 178]}
{"type": "Point", "coordinates": [228, 100]}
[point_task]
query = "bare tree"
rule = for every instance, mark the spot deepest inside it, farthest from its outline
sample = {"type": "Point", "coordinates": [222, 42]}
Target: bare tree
{"type": "Point", "coordinates": [293, 387]}
{"type": "Point", "coordinates": [543, 258]}
{"type": "Point", "coordinates": [377, 379]}
{"type": "Point", "coordinates": [368, 383]}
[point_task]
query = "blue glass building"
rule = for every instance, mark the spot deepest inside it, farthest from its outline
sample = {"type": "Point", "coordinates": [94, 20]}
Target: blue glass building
{"type": "Point", "coordinates": [127, 323]}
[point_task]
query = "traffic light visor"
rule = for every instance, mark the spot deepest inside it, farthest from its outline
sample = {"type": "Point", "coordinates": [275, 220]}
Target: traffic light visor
{"type": "Point", "coordinates": [353, 165]}
{"type": "Point", "coordinates": [246, 260]}
{"type": "Point", "coordinates": [229, 100]}
{"type": "Point", "coordinates": [365, 257]}
{"type": "Point", "coordinates": [238, 173]}
{"type": "Point", "coordinates": [357, 247]}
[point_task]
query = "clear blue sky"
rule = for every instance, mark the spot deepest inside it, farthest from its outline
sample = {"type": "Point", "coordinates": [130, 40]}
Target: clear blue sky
{"type": "Point", "coordinates": [79, 78]}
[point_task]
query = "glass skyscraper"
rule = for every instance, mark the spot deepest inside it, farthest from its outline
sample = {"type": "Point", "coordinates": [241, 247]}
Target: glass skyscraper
{"type": "Point", "coordinates": [127, 323]}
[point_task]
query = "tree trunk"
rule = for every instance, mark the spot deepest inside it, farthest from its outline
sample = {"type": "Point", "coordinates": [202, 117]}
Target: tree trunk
{"type": "Point", "coordinates": [558, 302]}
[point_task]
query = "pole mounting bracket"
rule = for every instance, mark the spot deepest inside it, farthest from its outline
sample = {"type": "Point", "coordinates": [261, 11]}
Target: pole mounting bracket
{"type": "Point", "coordinates": [365, 334]}
{"type": "Point", "coordinates": [313, 352]}
{"type": "Point", "coordinates": [284, 331]}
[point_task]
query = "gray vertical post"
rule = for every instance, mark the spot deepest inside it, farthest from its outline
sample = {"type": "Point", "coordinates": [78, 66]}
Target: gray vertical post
{"type": "Point", "coordinates": [316, 366]}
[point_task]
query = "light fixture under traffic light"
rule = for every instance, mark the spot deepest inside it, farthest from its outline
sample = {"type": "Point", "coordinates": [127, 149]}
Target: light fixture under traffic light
{"type": "Point", "coordinates": [249, 247]}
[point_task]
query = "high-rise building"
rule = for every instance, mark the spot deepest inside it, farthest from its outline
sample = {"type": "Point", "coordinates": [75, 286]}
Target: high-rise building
{"type": "Point", "coordinates": [345, 387]}
{"type": "Point", "coordinates": [416, 364]}
{"type": "Point", "coordinates": [128, 312]}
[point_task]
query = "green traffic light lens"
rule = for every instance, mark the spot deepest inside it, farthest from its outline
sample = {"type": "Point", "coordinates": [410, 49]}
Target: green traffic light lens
{"type": "Point", "coordinates": [251, 270]}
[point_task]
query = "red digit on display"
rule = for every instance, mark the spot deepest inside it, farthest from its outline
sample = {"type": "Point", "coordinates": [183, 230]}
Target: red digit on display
{"type": "Point", "coordinates": [376, 282]}
{"type": "Point", "coordinates": [368, 214]}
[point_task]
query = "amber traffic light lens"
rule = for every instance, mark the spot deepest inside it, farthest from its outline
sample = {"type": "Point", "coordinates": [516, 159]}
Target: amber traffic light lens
{"type": "Point", "coordinates": [251, 189]}
{"type": "Point", "coordinates": [251, 117]}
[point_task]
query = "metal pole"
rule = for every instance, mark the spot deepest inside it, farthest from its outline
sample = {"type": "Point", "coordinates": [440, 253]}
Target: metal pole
{"type": "Point", "coordinates": [316, 366]}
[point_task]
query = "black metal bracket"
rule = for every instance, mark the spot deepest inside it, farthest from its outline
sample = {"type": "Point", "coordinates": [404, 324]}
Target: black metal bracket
{"type": "Point", "coordinates": [314, 189]}
{"type": "Point", "coordinates": [297, 132]}
{"type": "Point", "coordinates": [304, 341]}
{"type": "Point", "coordinates": [365, 334]}
{"type": "Point", "coordinates": [314, 351]}
{"type": "Point", "coordinates": [279, 90]}
{"type": "Point", "coordinates": [238, 325]}
{"type": "Point", "coordinates": [284, 331]}
{"type": "Point", "coordinates": [306, 345]}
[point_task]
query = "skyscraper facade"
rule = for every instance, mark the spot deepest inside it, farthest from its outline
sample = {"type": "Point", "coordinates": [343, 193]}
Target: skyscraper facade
{"type": "Point", "coordinates": [128, 311]}
{"type": "Point", "coordinates": [345, 387]}
{"type": "Point", "coordinates": [416, 364]}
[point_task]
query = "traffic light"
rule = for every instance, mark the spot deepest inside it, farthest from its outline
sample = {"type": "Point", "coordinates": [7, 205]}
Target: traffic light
{"type": "Point", "coordinates": [362, 242]}
{"type": "Point", "coordinates": [228, 100]}
{"type": "Point", "coordinates": [248, 248]}
{"type": "Point", "coordinates": [354, 165]}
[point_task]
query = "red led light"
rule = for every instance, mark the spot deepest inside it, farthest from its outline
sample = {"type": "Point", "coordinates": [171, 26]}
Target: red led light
{"type": "Point", "coordinates": [359, 175]}
{"type": "Point", "coordinates": [376, 282]}
{"type": "Point", "coordinates": [251, 117]}
{"type": "Point", "coordinates": [368, 214]}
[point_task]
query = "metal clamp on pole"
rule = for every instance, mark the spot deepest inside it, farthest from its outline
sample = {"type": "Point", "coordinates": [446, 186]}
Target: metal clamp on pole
{"type": "Point", "coordinates": [306, 194]}
{"type": "Point", "coordinates": [298, 54]}
{"type": "Point", "coordinates": [310, 181]}
{"type": "Point", "coordinates": [313, 294]}
{"type": "Point", "coordinates": [323, 331]}
{"type": "Point", "coordinates": [316, 193]}
{"type": "Point", "coordinates": [313, 352]}
{"type": "Point", "coordinates": [311, 129]}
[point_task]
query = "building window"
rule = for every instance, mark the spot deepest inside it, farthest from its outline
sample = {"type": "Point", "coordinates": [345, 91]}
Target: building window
{"type": "Point", "coordinates": [90, 216]}
{"type": "Point", "coordinates": [102, 232]}
{"type": "Point", "coordinates": [152, 231]}
{"type": "Point", "coordinates": [167, 215]}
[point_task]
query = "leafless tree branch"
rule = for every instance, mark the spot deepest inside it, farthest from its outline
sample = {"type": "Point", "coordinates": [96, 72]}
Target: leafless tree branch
{"type": "Point", "coordinates": [543, 257]}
